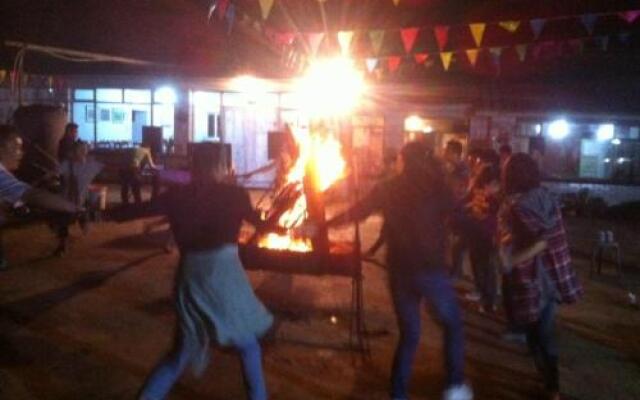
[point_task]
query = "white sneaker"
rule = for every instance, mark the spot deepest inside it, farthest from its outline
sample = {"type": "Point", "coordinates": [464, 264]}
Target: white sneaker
{"type": "Point", "coordinates": [458, 392]}
{"type": "Point", "coordinates": [473, 296]}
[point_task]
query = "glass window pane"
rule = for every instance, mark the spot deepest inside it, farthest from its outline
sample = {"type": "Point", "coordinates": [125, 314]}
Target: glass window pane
{"type": "Point", "coordinates": [165, 95]}
{"type": "Point", "coordinates": [137, 96]}
{"type": "Point", "coordinates": [163, 115]}
{"type": "Point", "coordinates": [109, 95]}
{"type": "Point", "coordinates": [234, 99]}
{"type": "Point", "coordinates": [84, 115]}
{"type": "Point", "coordinates": [83, 94]}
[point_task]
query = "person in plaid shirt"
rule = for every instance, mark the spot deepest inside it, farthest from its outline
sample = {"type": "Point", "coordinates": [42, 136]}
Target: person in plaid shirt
{"type": "Point", "coordinates": [536, 263]}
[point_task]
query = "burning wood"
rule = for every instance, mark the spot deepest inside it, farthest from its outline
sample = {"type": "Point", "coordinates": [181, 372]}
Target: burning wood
{"type": "Point", "coordinates": [318, 166]}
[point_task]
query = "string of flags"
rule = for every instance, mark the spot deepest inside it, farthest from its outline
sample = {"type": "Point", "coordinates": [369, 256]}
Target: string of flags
{"type": "Point", "coordinates": [442, 47]}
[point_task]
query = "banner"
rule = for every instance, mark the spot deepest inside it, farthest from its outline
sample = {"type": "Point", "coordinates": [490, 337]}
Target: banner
{"type": "Point", "coordinates": [589, 22]}
{"type": "Point", "coordinates": [477, 31]}
{"type": "Point", "coordinates": [537, 25]}
{"type": "Point", "coordinates": [266, 6]}
{"type": "Point", "coordinates": [344, 39]}
{"type": "Point", "coordinates": [409, 36]}
{"type": "Point", "coordinates": [393, 63]}
{"type": "Point", "coordinates": [472, 55]}
{"type": "Point", "coordinates": [376, 37]}
{"type": "Point", "coordinates": [509, 26]}
{"type": "Point", "coordinates": [442, 35]}
{"type": "Point", "coordinates": [446, 59]}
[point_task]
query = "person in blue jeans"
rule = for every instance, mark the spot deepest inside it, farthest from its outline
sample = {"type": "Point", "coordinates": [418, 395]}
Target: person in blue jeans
{"type": "Point", "coordinates": [215, 303]}
{"type": "Point", "coordinates": [415, 205]}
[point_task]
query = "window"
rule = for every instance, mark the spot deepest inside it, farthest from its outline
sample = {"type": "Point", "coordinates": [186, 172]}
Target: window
{"type": "Point", "coordinates": [137, 96]}
{"type": "Point", "coordinates": [109, 95]}
{"type": "Point", "coordinates": [83, 94]}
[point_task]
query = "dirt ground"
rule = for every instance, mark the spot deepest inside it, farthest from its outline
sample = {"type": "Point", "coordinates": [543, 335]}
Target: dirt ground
{"type": "Point", "coordinates": [92, 324]}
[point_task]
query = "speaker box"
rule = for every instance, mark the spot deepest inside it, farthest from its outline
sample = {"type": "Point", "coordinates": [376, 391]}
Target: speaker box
{"type": "Point", "coordinates": [152, 138]}
{"type": "Point", "coordinates": [213, 150]}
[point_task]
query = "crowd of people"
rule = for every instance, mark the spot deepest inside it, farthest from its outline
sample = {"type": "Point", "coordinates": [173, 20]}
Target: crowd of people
{"type": "Point", "coordinates": [436, 209]}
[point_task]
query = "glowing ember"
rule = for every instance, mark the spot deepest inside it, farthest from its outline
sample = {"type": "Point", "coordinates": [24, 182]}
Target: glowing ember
{"type": "Point", "coordinates": [321, 153]}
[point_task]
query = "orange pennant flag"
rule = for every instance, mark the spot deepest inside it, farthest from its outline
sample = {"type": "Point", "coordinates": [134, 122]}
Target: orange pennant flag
{"type": "Point", "coordinates": [376, 37]}
{"type": "Point", "coordinates": [477, 31]}
{"type": "Point", "coordinates": [442, 35]}
{"type": "Point", "coordinates": [420, 57]}
{"type": "Point", "coordinates": [509, 26]}
{"type": "Point", "coordinates": [266, 6]}
{"type": "Point", "coordinates": [3, 75]}
{"type": "Point", "coordinates": [393, 63]}
{"type": "Point", "coordinates": [344, 39]}
{"type": "Point", "coordinates": [472, 55]}
{"type": "Point", "coordinates": [446, 59]}
{"type": "Point", "coordinates": [409, 36]}
{"type": "Point", "coordinates": [396, 2]}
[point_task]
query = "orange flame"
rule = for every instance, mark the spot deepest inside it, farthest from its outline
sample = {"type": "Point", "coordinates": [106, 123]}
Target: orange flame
{"type": "Point", "coordinates": [323, 153]}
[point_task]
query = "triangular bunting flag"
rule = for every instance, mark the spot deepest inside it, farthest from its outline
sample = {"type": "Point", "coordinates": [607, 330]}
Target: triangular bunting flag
{"type": "Point", "coordinates": [393, 63]}
{"type": "Point", "coordinates": [376, 37]}
{"type": "Point", "coordinates": [477, 31]}
{"type": "Point", "coordinates": [577, 45]}
{"type": "Point", "coordinates": [245, 20]}
{"type": "Point", "coordinates": [472, 55]}
{"type": "Point", "coordinates": [521, 49]}
{"type": "Point", "coordinates": [496, 52]}
{"type": "Point", "coordinates": [603, 42]}
{"type": "Point", "coordinates": [314, 40]}
{"type": "Point", "coordinates": [257, 26]}
{"type": "Point", "coordinates": [630, 16]}
{"type": "Point", "coordinates": [510, 26]}
{"type": "Point", "coordinates": [396, 2]}
{"type": "Point", "coordinates": [537, 25]}
{"type": "Point", "coordinates": [446, 59]}
{"type": "Point", "coordinates": [420, 57]}
{"type": "Point", "coordinates": [409, 36]}
{"type": "Point", "coordinates": [231, 17]}
{"type": "Point", "coordinates": [266, 6]}
{"type": "Point", "coordinates": [589, 22]}
{"type": "Point", "coordinates": [372, 63]}
{"type": "Point", "coordinates": [624, 37]}
{"type": "Point", "coordinates": [344, 39]}
{"type": "Point", "coordinates": [3, 75]}
{"type": "Point", "coordinates": [442, 35]}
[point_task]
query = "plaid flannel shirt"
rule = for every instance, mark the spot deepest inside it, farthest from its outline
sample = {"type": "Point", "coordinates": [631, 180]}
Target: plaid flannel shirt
{"type": "Point", "coordinates": [523, 279]}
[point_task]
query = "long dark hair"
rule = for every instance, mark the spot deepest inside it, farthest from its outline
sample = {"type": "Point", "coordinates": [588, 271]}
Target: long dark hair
{"type": "Point", "coordinates": [520, 174]}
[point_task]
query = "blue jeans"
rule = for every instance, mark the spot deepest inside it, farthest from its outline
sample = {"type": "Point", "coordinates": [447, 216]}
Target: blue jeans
{"type": "Point", "coordinates": [408, 290]}
{"type": "Point", "coordinates": [169, 370]}
{"type": "Point", "coordinates": [542, 343]}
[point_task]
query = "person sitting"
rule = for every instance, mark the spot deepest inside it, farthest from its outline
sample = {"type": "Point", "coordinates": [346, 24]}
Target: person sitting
{"type": "Point", "coordinates": [14, 192]}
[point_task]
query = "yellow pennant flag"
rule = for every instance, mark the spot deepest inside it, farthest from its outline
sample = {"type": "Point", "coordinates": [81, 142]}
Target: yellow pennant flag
{"type": "Point", "coordinates": [477, 31]}
{"type": "Point", "coordinates": [266, 6]}
{"type": "Point", "coordinates": [472, 55]}
{"type": "Point", "coordinates": [510, 26]}
{"type": "Point", "coordinates": [344, 39]}
{"type": "Point", "coordinates": [446, 59]}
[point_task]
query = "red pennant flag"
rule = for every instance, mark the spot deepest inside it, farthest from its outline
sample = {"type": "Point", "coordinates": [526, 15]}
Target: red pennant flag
{"type": "Point", "coordinates": [442, 35]}
{"type": "Point", "coordinates": [393, 63]}
{"type": "Point", "coordinates": [409, 36]}
{"type": "Point", "coordinates": [630, 16]}
{"type": "Point", "coordinates": [421, 57]}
